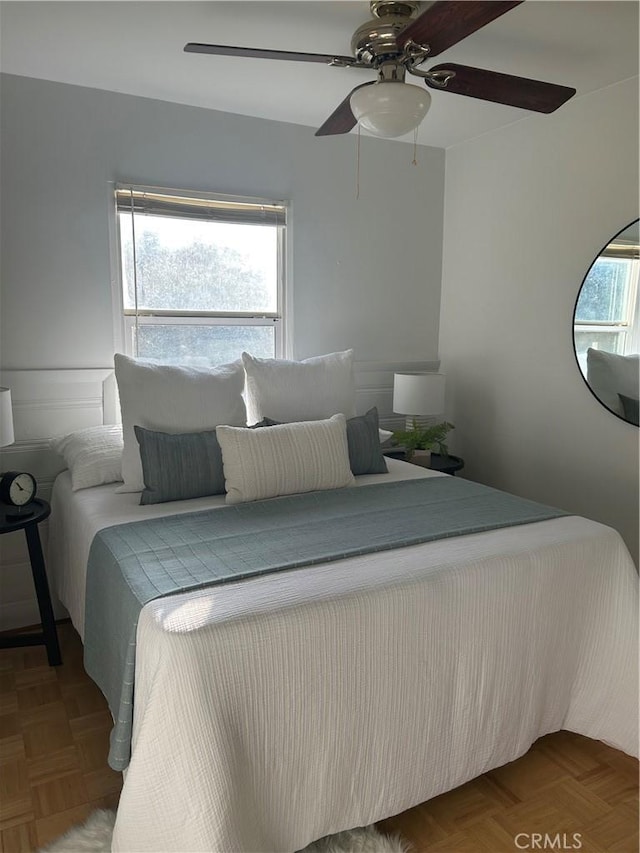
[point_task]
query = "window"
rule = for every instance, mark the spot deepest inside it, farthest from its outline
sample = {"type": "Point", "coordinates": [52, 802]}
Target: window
{"type": "Point", "coordinates": [202, 276]}
{"type": "Point", "coordinates": [606, 315]}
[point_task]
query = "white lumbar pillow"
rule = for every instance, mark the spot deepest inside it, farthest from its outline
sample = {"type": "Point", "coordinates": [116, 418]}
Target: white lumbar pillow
{"type": "Point", "coordinates": [286, 459]}
{"type": "Point", "coordinates": [308, 390]}
{"type": "Point", "coordinates": [173, 399]}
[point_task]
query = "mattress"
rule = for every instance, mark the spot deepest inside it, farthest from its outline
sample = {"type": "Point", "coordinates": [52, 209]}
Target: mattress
{"type": "Point", "coordinates": [313, 701]}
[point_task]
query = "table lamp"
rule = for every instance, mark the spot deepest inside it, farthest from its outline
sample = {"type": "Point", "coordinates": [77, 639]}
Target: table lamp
{"type": "Point", "coordinates": [419, 396]}
{"type": "Point", "coordinates": [6, 418]}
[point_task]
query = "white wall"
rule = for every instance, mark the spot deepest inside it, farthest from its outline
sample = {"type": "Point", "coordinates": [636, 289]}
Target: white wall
{"type": "Point", "coordinates": [526, 211]}
{"type": "Point", "coordinates": [366, 273]}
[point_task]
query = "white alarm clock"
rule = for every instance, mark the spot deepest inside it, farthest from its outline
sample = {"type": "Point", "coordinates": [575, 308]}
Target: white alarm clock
{"type": "Point", "coordinates": [17, 488]}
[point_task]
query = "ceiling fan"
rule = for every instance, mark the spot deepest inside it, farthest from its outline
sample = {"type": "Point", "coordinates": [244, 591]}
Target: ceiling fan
{"type": "Point", "coordinates": [394, 43]}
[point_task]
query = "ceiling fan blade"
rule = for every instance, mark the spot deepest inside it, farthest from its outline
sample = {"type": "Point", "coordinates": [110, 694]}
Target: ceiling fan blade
{"type": "Point", "coordinates": [256, 53]}
{"type": "Point", "coordinates": [502, 88]}
{"type": "Point", "coordinates": [341, 119]}
{"type": "Point", "coordinates": [447, 22]}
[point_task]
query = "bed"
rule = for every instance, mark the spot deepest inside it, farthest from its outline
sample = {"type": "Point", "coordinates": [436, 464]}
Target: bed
{"type": "Point", "coordinates": [279, 709]}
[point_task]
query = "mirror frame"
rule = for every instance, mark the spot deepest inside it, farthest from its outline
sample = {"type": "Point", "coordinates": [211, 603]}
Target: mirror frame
{"type": "Point", "coordinates": [573, 322]}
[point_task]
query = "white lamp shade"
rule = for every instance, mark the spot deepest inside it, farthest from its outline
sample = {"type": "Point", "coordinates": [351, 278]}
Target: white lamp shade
{"type": "Point", "coordinates": [390, 109]}
{"type": "Point", "coordinates": [6, 418]}
{"type": "Point", "coordinates": [418, 393]}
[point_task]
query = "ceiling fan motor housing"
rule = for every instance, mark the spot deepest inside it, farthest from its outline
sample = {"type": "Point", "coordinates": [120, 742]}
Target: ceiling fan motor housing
{"type": "Point", "coordinates": [375, 40]}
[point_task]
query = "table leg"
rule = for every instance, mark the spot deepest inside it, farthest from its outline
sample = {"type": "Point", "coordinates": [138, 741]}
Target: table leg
{"type": "Point", "coordinates": [42, 593]}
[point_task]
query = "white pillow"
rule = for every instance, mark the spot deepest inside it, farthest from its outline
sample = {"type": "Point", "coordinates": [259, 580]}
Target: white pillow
{"type": "Point", "coordinates": [306, 390]}
{"type": "Point", "coordinates": [385, 435]}
{"type": "Point", "coordinates": [173, 399]}
{"type": "Point", "coordinates": [285, 459]}
{"type": "Point", "coordinates": [93, 455]}
{"type": "Point", "coordinates": [610, 374]}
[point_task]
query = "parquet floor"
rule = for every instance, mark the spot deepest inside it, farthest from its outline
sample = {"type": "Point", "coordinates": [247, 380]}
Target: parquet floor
{"type": "Point", "coordinates": [54, 733]}
{"type": "Point", "coordinates": [54, 737]}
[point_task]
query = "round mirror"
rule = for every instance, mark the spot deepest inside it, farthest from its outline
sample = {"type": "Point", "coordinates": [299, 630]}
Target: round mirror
{"type": "Point", "coordinates": [606, 325]}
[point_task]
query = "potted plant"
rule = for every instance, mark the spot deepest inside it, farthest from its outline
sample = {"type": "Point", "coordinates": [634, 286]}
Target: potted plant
{"type": "Point", "coordinates": [421, 440]}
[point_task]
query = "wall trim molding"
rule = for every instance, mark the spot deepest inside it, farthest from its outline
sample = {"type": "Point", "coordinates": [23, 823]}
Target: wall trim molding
{"type": "Point", "coordinates": [28, 446]}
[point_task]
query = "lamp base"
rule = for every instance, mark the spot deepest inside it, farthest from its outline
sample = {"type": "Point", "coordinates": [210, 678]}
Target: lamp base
{"type": "Point", "coordinates": [421, 421]}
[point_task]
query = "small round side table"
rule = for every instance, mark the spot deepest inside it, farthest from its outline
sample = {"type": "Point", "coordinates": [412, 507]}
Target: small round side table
{"type": "Point", "coordinates": [444, 464]}
{"type": "Point", "coordinates": [38, 510]}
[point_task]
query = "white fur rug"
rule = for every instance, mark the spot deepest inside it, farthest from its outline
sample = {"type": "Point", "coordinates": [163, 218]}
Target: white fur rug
{"type": "Point", "coordinates": [94, 836]}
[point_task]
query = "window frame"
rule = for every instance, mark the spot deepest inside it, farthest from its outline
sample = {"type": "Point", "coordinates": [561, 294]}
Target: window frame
{"type": "Point", "coordinates": [627, 329]}
{"type": "Point", "coordinates": [128, 320]}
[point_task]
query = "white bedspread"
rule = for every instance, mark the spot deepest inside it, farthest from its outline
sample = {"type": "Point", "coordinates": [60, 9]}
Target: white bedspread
{"type": "Point", "coordinates": [314, 701]}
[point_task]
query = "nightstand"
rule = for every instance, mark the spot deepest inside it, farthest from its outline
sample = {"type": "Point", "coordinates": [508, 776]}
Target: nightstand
{"type": "Point", "coordinates": [48, 636]}
{"type": "Point", "coordinates": [444, 464]}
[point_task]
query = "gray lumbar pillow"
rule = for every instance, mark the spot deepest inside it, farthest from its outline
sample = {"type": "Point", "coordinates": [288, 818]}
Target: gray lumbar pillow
{"type": "Point", "coordinates": [363, 439]}
{"type": "Point", "coordinates": [631, 409]}
{"type": "Point", "coordinates": [365, 453]}
{"type": "Point", "coordinates": [181, 466]}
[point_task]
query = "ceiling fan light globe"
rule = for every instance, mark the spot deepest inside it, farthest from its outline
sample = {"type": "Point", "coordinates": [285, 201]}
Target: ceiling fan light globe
{"type": "Point", "coordinates": [390, 109]}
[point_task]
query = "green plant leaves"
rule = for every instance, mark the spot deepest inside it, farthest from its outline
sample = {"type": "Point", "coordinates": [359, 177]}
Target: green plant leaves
{"type": "Point", "coordinates": [424, 438]}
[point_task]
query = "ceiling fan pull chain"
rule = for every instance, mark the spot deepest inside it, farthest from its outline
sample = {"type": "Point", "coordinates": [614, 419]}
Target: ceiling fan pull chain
{"type": "Point", "coordinates": [414, 162]}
